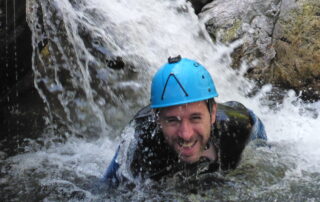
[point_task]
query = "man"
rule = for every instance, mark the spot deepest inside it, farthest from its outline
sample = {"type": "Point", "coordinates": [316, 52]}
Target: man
{"type": "Point", "coordinates": [184, 129]}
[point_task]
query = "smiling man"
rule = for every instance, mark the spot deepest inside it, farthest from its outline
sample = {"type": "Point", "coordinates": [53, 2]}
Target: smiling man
{"type": "Point", "coordinates": [184, 129]}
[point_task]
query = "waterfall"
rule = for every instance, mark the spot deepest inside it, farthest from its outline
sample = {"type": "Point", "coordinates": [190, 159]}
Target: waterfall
{"type": "Point", "coordinates": [93, 62]}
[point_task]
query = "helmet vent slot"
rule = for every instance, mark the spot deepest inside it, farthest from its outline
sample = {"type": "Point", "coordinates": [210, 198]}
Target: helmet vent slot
{"type": "Point", "coordinates": [165, 86]}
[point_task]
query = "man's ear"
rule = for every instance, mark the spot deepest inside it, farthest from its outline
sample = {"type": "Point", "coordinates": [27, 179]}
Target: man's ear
{"type": "Point", "coordinates": [213, 113]}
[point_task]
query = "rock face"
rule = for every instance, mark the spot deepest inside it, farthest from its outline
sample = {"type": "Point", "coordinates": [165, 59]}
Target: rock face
{"type": "Point", "coordinates": [297, 44]}
{"type": "Point", "coordinates": [251, 20]}
{"type": "Point", "coordinates": [280, 40]}
{"type": "Point", "coordinates": [86, 86]}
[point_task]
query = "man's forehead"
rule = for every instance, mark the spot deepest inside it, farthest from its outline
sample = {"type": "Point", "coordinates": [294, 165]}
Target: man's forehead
{"type": "Point", "coordinates": [195, 106]}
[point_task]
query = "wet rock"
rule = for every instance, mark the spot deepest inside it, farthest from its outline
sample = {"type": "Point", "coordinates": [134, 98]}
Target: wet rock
{"type": "Point", "coordinates": [87, 86]}
{"type": "Point", "coordinates": [250, 20]}
{"type": "Point", "coordinates": [280, 40]}
{"type": "Point", "coordinates": [296, 41]}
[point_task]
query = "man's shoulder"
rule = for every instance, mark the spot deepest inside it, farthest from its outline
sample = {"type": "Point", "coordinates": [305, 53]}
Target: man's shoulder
{"type": "Point", "coordinates": [231, 132]}
{"type": "Point", "coordinates": [233, 104]}
{"type": "Point", "coordinates": [233, 111]}
{"type": "Point", "coordinates": [144, 112]}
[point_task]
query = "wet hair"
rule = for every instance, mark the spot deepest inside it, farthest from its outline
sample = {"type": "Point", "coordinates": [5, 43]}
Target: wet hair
{"type": "Point", "coordinates": [210, 103]}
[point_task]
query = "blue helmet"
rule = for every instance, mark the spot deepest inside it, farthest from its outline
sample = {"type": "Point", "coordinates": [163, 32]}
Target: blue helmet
{"type": "Point", "coordinates": [181, 81]}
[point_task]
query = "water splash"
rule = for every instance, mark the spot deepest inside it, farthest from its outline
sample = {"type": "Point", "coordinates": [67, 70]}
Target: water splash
{"type": "Point", "coordinates": [75, 43]}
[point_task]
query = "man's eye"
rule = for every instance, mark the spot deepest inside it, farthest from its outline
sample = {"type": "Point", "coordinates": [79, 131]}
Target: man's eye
{"type": "Point", "coordinates": [172, 120]}
{"type": "Point", "coordinates": [196, 118]}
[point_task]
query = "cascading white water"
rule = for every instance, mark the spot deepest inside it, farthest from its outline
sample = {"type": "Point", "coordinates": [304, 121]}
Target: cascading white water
{"type": "Point", "coordinates": [101, 101]}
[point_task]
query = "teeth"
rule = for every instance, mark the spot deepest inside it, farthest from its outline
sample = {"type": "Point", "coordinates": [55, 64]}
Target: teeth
{"type": "Point", "coordinates": [185, 144]}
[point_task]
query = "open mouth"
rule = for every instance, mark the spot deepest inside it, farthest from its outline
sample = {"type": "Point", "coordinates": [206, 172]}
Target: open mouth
{"type": "Point", "coordinates": [188, 151]}
{"type": "Point", "coordinates": [190, 144]}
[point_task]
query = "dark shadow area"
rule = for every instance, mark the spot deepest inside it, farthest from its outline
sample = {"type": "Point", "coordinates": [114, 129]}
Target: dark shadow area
{"type": "Point", "coordinates": [21, 108]}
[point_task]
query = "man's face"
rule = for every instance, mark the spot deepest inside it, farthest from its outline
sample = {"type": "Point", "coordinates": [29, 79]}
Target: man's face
{"type": "Point", "coordinates": [186, 128]}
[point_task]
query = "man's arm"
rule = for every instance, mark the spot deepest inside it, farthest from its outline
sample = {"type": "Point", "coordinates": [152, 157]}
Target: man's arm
{"type": "Point", "coordinates": [258, 130]}
{"type": "Point", "coordinates": [132, 132]}
{"type": "Point", "coordinates": [110, 176]}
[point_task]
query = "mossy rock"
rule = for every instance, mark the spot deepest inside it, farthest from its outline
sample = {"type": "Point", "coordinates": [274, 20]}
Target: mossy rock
{"type": "Point", "coordinates": [231, 33]}
{"type": "Point", "coordinates": [297, 63]}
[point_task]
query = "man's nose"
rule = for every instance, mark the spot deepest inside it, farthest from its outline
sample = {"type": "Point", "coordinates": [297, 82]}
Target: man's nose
{"type": "Point", "coordinates": [185, 130]}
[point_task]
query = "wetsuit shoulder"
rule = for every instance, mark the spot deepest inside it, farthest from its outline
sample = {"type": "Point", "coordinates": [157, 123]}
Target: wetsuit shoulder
{"type": "Point", "coordinates": [231, 133]}
{"type": "Point", "coordinates": [231, 111]}
{"type": "Point", "coordinates": [143, 113]}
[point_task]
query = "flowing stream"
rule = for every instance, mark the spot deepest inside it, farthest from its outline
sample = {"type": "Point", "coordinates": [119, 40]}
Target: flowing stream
{"type": "Point", "coordinates": [90, 96]}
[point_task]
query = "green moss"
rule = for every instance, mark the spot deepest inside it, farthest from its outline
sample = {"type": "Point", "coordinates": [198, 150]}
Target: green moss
{"type": "Point", "coordinates": [45, 51]}
{"type": "Point", "coordinates": [298, 54]}
{"type": "Point", "coordinates": [237, 115]}
{"type": "Point", "coordinates": [230, 34]}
